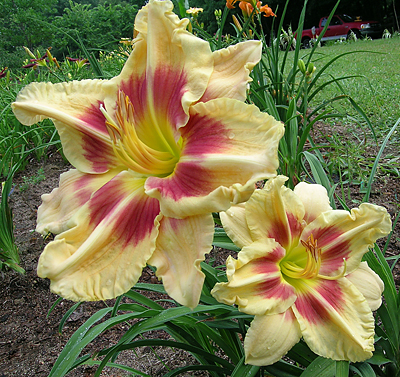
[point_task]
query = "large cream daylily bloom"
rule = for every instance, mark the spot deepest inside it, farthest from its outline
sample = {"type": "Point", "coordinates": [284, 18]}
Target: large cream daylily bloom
{"type": "Point", "coordinates": [156, 150]}
{"type": "Point", "coordinates": [300, 272]}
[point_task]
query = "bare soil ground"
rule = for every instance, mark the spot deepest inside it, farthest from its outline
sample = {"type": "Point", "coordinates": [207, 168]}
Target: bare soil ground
{"type": "Point", "coordinates": [29, 339]}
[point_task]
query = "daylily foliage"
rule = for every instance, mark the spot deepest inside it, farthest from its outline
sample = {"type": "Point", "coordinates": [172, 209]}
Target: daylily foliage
{"type": "Point", "coordinates": [300, 272]}
{"type": "Point", "coordinates": [156, 150]}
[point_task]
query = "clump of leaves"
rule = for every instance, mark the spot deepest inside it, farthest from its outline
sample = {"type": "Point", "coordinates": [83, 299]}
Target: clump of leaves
{"type": "Point", "coordinates": [9, 254]}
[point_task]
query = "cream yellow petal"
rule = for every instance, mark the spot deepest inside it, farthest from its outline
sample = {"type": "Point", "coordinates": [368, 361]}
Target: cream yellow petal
{"type": "Point", "coordinates": [108, 242]}
{"type": "Point", "coordinates": [275, 212]}
{"type": "Point", "coordinates": [314, 198]}
{"type": "Point", "coordinates": [167, 43]}
{"type": "Point", "coordinates": [232, 67]}
{"type": "Point", "coordinates": [66, 102]}
{"type": "Point", "coordinates": [369, 284]}
{"type": "Point", "coordinates": [335, 320]}
{"type": "Point", "coordinates": [181, 247]}
{"type": "Point", "coordinates": [227, 147]}
{"type": "Point", "coordinates": [74, 191]}
{"type": "Point", "coordinates": [347, 235]}
{"type": "Point", "coordinates": [235, 225]}
{"type": "Point", "coordinates": [255, 282]}
{"type": "Point", "coordinates": [74, 108]}
{"type": "Point", "coordinates": [270, 337]}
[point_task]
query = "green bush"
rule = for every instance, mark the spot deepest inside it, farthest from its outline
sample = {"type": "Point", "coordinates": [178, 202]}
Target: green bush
{"type": "Point", "coordinates": [99, 27]}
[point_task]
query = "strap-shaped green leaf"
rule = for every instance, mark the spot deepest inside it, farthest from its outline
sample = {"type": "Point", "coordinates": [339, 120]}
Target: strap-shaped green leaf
{"type": "Point", "coordinates": [320, 367]}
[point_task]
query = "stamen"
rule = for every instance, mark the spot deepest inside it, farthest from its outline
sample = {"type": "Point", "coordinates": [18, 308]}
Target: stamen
{"type": "Point", "coordinates": [313, 257]}
{"type": "Point", "coordinates": [129, 148]}
{"type": "Point", "coordinates": [312, 266]}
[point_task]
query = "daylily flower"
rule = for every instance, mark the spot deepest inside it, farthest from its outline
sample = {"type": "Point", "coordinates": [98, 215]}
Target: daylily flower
{"type": "Point", "coordinates": [156, 149]}
{"type": "Point", "coordinates": [266, 10]}
{"type": "Point", "coordinates": [247, 8]}
{"type": "Point", "coordinates": [300, 274]}
{"type": "Point", "coordinates": [194, 11]}
{"type": "Point", "coordinates": [231, 4]}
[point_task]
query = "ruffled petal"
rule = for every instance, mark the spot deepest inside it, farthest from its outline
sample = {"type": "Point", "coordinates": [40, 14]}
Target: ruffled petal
{"type": "Point", "coordinates": [314, 198]}
{"type": "Point", "coordinates": [369, 284]}
{"type": "Point", "coordinates": [75, 109]}
{"type": "Point", "coordinates": [180, 248]}
{"type": "Point", "coordinates": [235, 225]}
{"type": "Point", "coordinates": [108, 243]}
{"type": "Point", "coordinates": [335, 319]}
{"type": "Point", "coordinates": [270, 337]}
{"type": "Point", "coordinates": [275, 212]}
{"type": "Point", "coordinates": [255, 282]}
{"type": "Point", "coordinates": [347, 235]}
{"type": "Point", "coordinates": [177, 65]}
{"type": "Point", "coordinates": [232, 67]}
{"type": "Point", "coordinates": [74, 191]}
{"type": "Point", "coordinates": [227, 147]}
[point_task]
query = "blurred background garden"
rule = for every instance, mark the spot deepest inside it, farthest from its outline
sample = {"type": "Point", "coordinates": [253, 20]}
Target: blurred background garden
{"type": "Point", "coordinates": [101, 24]}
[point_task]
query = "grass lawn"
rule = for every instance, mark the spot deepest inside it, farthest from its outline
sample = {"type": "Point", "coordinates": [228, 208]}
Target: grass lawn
{"type": "Point", "coordinates": [377, 89]}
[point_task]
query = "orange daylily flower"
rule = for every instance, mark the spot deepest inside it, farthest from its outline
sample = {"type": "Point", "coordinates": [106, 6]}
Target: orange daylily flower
{"type": "Point", "coordinates": [230, 4]}
{"type": "Point", "coordinates": [247, 8]}
{"type": "Point", "coordinates": [266, 10]}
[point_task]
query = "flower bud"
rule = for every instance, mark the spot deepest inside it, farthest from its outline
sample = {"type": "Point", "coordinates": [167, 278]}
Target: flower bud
{"type": "Point", "coordinates": [48, 53]}
{"type": "Point", "coordinates": [29, 52]}
{"type": "Point", "coordinates": [302, 66]}
{"type": "Point", "coordinates": [310, 69]}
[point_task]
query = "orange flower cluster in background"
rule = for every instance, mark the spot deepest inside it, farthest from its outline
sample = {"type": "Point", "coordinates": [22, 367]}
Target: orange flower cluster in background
{"type": "Point", "coordinates": [247, 7]}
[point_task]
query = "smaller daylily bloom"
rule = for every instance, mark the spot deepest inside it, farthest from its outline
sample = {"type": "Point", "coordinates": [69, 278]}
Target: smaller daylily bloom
{"type": "Point", "coordinates": [247, 9]}
{"type": "Point", "coordinates": [194, 11]}
{"type": "Point", "coordinates": [266, 10]}
{"type": "Point", "coordinates": [230, 3]}
{"type": "Point", "coordinates": [300, 272]}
